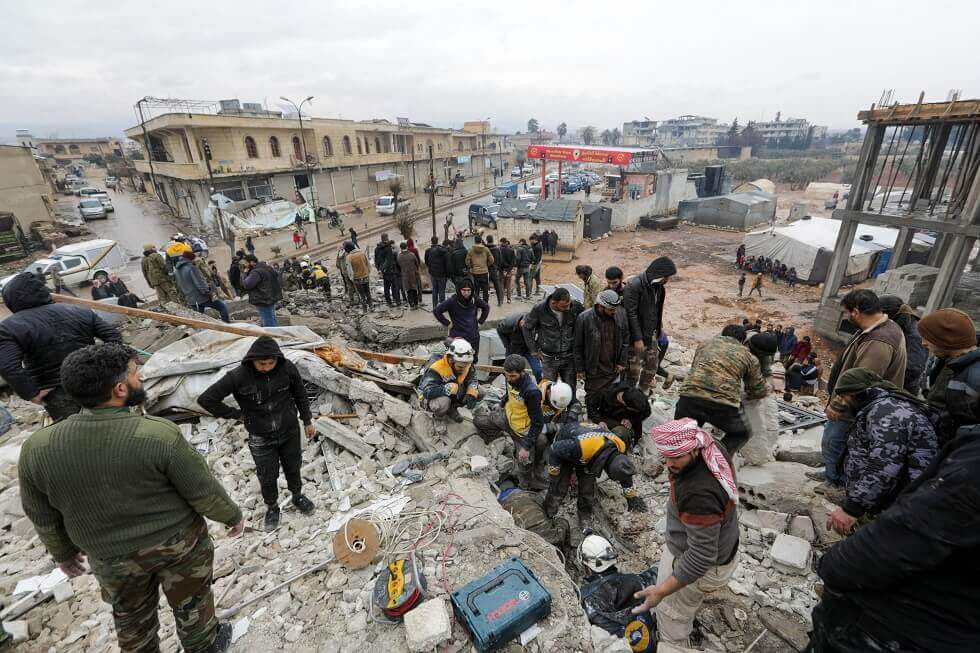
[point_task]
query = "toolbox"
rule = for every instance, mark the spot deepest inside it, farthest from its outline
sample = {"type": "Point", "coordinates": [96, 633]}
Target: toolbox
{"type": "Point", "coordinates": [500, 606]}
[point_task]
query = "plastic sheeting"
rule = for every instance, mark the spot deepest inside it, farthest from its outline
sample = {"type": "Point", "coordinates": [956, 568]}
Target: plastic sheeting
{"type": "Point", "coordinates": [175, 376]}
{"type": "Point", "coordinates": [277, 214]}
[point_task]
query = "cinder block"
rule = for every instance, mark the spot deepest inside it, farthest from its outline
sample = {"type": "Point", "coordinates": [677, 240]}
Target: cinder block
{"type": "Point", "coordinates": [790, 554]}
{"type": "Point", "coordinates": [427, 626]}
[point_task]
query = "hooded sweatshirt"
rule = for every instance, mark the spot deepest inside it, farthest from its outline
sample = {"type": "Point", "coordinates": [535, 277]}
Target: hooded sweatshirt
{"type": "Point", "coordinates": [268, 401]}
{"type": "Point", "coordinates": [40, 334]}
{"type": "Point", "coordinates": [644, 297]}
{"type": "Point", "coordinates": [462, 314]}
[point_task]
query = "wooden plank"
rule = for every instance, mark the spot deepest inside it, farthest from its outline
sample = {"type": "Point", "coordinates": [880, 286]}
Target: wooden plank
{"type": "Point", "coordinates": [142, 314]}
{"type": "Point", "coordinates": [395, 359]}
{"type": "Point", "coordinates": [922, 112]}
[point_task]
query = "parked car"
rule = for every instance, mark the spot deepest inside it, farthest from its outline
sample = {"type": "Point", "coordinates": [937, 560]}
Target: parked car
{"type": "Point", "coordinates": [552, 176]}
{"type": "Point", "coordinates": [106, 202]}
{"type": "Point", "coordinates": [91, 209]}
{"type": "Point", "coordinates": [386, 205]}
{"type": "Point", "coordinates": [528, 169]}
{"type": "Point", "coordinates": [81, 262]}
{"type": "Point", "coordinates": [534, 187]}
{"type": "Point", "coordinates": [90, 190]}
{"type": "Point", "coordinates": [110, 182]}
{"type": "Point", "coordinates": [516, 172]}
{"type": "Point", "coordinates": [483, 215]}
{"type": "Point", "coordinates": [570, 185]}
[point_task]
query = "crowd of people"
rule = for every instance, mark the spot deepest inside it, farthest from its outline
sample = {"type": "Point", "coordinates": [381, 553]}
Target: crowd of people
{"type": "Point", "coordinates": [762, 266]}
{"type": "Point", "coordinates": [901, 446]}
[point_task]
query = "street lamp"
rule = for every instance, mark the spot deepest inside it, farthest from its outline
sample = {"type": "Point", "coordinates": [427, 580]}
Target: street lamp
{"type": "Point", "coordinates": [306, 160]}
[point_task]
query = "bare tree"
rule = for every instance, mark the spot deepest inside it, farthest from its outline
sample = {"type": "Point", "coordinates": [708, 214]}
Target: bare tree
{"type": "Point", "coordinates": [606, 137]}
{"type": "Point", "coordinates": [587, 134]}
{"type": "Point", "coordinates": [562, 129]}
{"type": "Point", "coordinates": [532, 125]}
{"type": "Point", "coordinates": [395, 188]}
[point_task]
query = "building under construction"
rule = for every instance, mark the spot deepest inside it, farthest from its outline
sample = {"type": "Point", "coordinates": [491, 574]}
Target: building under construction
{"type": "Point", "coordinates": [918, 171]}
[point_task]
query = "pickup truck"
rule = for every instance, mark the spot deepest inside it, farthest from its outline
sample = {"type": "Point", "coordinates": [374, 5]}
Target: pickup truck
{"type": "Point", "coordinates": [483, 215]}
{"type": "Point", "coordinates": [80, 262]}
{"type": "Point", "coordinates": [504, 191]}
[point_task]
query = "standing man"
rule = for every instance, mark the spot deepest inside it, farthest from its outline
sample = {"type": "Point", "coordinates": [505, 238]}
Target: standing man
{"type": "Point", "coordinates": [341, 264]}
{"type": "Point", "coordinates": [235, 273]}
{"type": "Point", "coordinates": [712, 391]}
{"type": "Point", "coordinates": [385, 263]}
{"type": "Point", "coordinates": [353, 236]}
{"type": "Point", "coordinates": [590, 284]}
{"type": "Point", "coordinates": [701, 549]}
{"type": "Point", "coordinates": [479, 260]}
{"type": "Point", "coordinates": [644, 298]}
{"type": "Point", "coordinates": [614, 280]}
{"type": "Point", "coordinates": [741, 284]}
{"type": "Point", "coordinates": [917, 355]}
{"type": "Point", "coordinates": [411, 278]}
{"type": "Point", "coordinates": [359, 270]}
{"type": "Point", "coordinates": [549, 329]}
{"type": "Point", "coordinates": [264, 290]}
{"type": "Point", "coordinates": [495, 270]}
{"type": "Point", "coordinates": [508, 261]}
{"type": "Point", "coordinates": [954, 378]}
{"type": "Point", "coordinates": [196, 288]}
{"type": "Point", "coordinates": [537, 253]}
{"type": "Point", "coordinates": [155, 272]}
{"type": "Point", "coordinates": [524, 261]}
{"type": "Point", "coordinates": [601, 346]}
{"type": "Point", "coordinates": [37, 338]}
{"type": "Point", "coordinates": [462, 307]}
{"type": "Point", "coordinates": [130, 493]}
{"type": "Point", "coordinates": [458, 262]}
{"type": "Point", "coordinates": [438, 263]}
{"type": "Point", "coordinates": [269, 392]}
{"type": "Point", "coordinates": [879, 345]}
{"type": "Point", "coordinates": [756, 285]}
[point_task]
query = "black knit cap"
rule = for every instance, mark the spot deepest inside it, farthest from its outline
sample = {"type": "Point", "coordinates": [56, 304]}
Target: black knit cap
{"type": "Point", "coordinates": [765, 342]}
{"type": "Point", "coordinates": [660, 268]}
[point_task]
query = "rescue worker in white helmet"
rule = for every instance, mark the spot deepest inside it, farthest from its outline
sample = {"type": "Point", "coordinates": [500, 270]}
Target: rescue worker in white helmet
{"type": "Point", "coordinates": [531, 414]}
{"type": "Point", "coordinates": [588, 450]}
{"type": "Point", "coordinates": [449, 381]}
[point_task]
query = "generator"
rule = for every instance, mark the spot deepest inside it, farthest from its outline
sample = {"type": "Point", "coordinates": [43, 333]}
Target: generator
{"type": "Point", "coordinates": [501, 605]}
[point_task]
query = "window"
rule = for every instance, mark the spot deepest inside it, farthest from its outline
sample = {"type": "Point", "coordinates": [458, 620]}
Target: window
{"type": "Point", "coordinates": [71, 262]}
{"type": "Point", "coordinates": [259, 188]}
{"type": "Point", "coordinates": [230, 189]}
{"type": "Point", "coordinates": [297, 149]}
{"type": "Point", "coordinates": [347, 150]}
{"type": "Point", "coordinates": [359, 150]}
{"type": "Point", "coordinates": [459, 146]}
{"type": "Point", "coordinates": [59, 149]}
{"type": "Point", "coordinates": [250, 148]}
{"type": "Point", "coordinates": [74, 149]}
{"type": "Point", "coordinates": [274, 147]}
{"type": "Point", "coordinates": [377, 144]}
{"type": "Point", "coordinates": [327, 146]}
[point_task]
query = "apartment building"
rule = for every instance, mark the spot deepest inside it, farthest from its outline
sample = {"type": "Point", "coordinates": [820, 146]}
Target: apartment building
{"type": "Point", "coordinates": [71, 150]}
{"type": "Point", "coordinates": [690, 131]}
{"type": "Point", "coordinates": [25, 189]}
{"type": "Point", "coordinates": [640, 132]}
{"type": "Point", "coordinates": [789, 133]}
{"type": "Point", "coordinates": [262, 154]}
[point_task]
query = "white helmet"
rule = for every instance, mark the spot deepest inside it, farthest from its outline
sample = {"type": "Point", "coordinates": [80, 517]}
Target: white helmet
{"type": "Point", "coordinates": [561, 395]}
{"type": "Point", "coordinates": [596, 553]}
{"type": "Point", "coordinates": [460, 350]}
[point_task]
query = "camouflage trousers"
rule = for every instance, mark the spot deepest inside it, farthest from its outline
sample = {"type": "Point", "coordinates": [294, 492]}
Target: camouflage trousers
{"type": "Point", "coordinates": [182, 566]}
{"type": "Point", "coordinates": [167, 292]}
{"type": "Point", "coordinates": [528, 513]}
{"type": "Point", "coordinates": [643, 366]}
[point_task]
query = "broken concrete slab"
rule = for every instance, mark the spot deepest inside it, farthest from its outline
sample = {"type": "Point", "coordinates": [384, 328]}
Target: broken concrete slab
{"type": "Point", "coordinates": [343, 436]}
{"type": "Point", "coordinates": [422, 431]}
{"type": "Point", "coordinates": [398, 411]}
{"type": "Point", "coordinates": [801, 447]}
{"type": "Point", "coordinates": [801, 526]}
{"type": "Point", "coordinates": [764, 520]}
{"type": "Point", "coordinates": [790, 554]}
{"type": "Point", "coordinates": [427, 626]}
{"type": "Point", "coordinates": [763, 422]}
{"type": "Point", "coordinates": [19, 630]}
{"type": "Point", "coordinates": [785, 627]}
{"type": "Point", "coordinates": [779, 486]}
{"type": "Point", "coordinates": [366, 391]}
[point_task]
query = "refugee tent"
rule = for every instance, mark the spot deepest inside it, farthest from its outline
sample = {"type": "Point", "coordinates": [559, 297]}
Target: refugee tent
{"type": "Point", "coordinates": [739, 211]}
{"type": "Point", "coordinates": [808, 245]}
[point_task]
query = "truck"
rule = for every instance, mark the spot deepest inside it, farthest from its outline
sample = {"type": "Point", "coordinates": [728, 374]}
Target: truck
{"type": "Point", "coordinates": [80, 262]}
{"type": "Point", "coordinates": [504, 191]}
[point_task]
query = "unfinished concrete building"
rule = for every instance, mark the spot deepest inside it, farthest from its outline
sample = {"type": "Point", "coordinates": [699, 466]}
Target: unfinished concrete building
{"type": "Point", "coordinates": [919, 171]}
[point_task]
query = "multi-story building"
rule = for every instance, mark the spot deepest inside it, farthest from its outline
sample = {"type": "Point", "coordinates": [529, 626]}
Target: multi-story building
{"type": "Point", "coordinates": [789, 133]}
{"type": "Point", "coordinates": [25, 189]}
{"type": "Point", "coordinates": [70, 150]}
{"type": "Point", "coordinates": [690, 131]}
{"type": "Point", "coordinates": [640, 132]}
{"type": "Point", "coordinates": [261, 154]}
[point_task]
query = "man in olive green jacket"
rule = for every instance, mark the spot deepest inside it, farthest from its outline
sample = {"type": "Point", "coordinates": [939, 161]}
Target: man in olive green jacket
{"type": "Point", "coordinates": [131, 494]}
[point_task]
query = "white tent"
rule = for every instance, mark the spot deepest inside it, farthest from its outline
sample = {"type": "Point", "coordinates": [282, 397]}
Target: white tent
{"type": "Point", "coordinates": [808, 245]}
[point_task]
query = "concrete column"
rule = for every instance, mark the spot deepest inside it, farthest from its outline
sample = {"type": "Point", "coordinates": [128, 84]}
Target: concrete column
{"type": "Point", "coordinates": [838, 265]}
{"type": "Point", "coordinates": [950, 272]}
{"type": "Point", "coordinates": [353, 186]}
{"type": "Point", "coordinates": [865, 169]}
{"type": "Point", "coordinates": [900, 253]}
{"type": "Point", "coordinates": [333, 188]}
{"type": "Point", "coordinates": [939, 250]}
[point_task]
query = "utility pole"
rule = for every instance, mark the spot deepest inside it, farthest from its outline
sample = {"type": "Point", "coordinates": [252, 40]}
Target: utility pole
{"type": "Point", "coordinates": [306, 162]}
{"type": "Point", "coordinates": [432, 191]}
{"type": "Point", "coordinates": [221, 219]}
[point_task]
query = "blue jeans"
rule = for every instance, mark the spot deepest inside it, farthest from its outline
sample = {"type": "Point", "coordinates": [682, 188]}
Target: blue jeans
{"type": "Point", "coordinates": [217, 305]}
{"type": "Point", "coordinates": [833, 444]}
{"type": "Point", "coordinates": [267, 314]}
{"type": "Point", "coordinates": [535, 366]}
{"type": "Point", "coordinates": [438, 290]}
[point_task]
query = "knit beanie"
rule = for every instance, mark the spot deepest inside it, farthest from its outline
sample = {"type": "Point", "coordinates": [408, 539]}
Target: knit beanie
{"type": "Point", "coordinates": [949, 329]}
{"type": "Point", "coordinates": [765, 342]}
{"type": "Point", "coordinates": [660, 268]}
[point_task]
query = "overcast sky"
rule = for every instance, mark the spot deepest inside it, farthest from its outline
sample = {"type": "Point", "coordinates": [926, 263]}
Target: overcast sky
{"type": "Point", "coordinates": [76, 69]}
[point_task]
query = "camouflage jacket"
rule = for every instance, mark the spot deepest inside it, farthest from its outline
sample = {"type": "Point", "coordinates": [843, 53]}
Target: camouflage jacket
{"type": "Point", "coordinates": [891, 444]}
{"type": "Point", "coordinates": [155, 270]}
{"type": "Point", "coordinates": [719, 367]}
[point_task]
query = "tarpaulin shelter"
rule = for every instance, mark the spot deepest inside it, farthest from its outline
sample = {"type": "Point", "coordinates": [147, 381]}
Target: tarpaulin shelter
{"type": "Point", "coordinates": [739, 211]}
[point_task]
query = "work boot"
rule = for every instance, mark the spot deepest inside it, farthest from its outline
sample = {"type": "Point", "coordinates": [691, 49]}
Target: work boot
{"type": "Point", "coordinates": [271, 518]}
{"type": "Point", "coordinates": [303, 504]}
{"type": "Point", "coordinates": [222, 640]}
{"type": "Point", "coordinates": [454, 415]}
{"type": "Point", "coordinates": [816, 476]}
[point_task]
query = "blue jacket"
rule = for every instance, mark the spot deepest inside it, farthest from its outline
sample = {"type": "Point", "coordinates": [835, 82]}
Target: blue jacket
{"type": "Point", "coordinates": [788, 341]}
{"type": "Point", "coordinates": [191, 283]}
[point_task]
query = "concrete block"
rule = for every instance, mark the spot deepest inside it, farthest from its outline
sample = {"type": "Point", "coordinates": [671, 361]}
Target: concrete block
{"type": "Point", "coordinates": [19, 630]}
{"type": "Point", "coordinates": [427, 626]}
{"type": "Point", "coordinates": [366, 391]}
{"type": "Point", "coordinates": [479, 463]}
{"type": "Point", "coordinates": [779, 486]}
{"type": "Point", "coordinates": [63, 592]}
{"type": "Point", "coordinates": [398, 411]}
{"type": "Point", "coordinates": [801, 447]}
{"type": "Point", "coordinates": [422, 431]}
{"type": "Point", "coordinates": [790, 554]}
{"type": "Point", "coordinates": [802, 527]}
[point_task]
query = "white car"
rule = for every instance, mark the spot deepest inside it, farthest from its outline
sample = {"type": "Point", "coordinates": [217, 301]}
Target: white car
{"type": "Point", "coordinates": [386, 205]}
{"type": "Point", "coordinates": [528, 169]}
{"type": "Point", "coordinates": [516, 172]}
{"type": "Point", "coordinates": [81, 262]}
{"type": "Point", "coordinates": [110, 182]}
{"type": "Point", "coordinates": [534, 187]}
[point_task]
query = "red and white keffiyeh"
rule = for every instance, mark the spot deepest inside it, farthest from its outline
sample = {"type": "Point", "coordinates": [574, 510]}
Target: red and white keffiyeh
{"type": "Point", "coordinates": [681, 436]}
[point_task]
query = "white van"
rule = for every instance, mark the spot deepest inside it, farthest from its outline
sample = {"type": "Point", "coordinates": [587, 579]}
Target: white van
{"type": "Point", "coordinates": [80, 262]}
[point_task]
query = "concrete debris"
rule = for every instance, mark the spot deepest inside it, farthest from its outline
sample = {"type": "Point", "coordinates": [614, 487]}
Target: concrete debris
{"type": "Point", "coordinates": [605, 642]}
{"type": "Point", "coordinates": [802, 527]}
{"type": "Point", "coordinates": [801, 447]}
{"type": "Point", "coordinates": [478, 464]}
{"type": "Point", "coordinates": [19, 630]}
{"type": "Point", "coordinates": [791, 554]}
{"type": "Point", "coordinates": [63, 591]}
{"type": "Point", "coordinates": [343, 436]}
{"type": "Point", "coordinates": [779, 486]}
{"type": "Point", "coordinates": [427, 625]}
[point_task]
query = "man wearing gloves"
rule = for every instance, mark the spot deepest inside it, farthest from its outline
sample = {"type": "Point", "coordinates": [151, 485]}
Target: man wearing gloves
{"type": "Point", "coordinates": [643, 298]}
{"type": "Point", "coordinates": [702, 528]}
{"type": "Point", "coordinates": [269, 392]}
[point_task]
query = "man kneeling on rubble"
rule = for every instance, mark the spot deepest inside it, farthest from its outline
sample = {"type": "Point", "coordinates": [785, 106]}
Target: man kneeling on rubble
{"type": "Point", "coordinates": [702, 528]}
{"type": "Point", "coordinates": [449, 381]}
{"type": "Point", "coordinates": [588, 450]}
{"type": "Point", "coordinates": [269, 392]}
{"type": "Point", "coordinates": [531, 414]}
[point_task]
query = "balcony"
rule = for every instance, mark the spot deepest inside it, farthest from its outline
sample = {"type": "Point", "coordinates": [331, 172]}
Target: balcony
{"type": "Point", "coordinates": [189, 171]}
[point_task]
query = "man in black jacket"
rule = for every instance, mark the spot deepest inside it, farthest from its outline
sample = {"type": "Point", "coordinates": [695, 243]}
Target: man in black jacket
{"type": "Point", "coordinates": [537, 251]}
{"type": "Point", "coordinates": [621, 404]}
{"type": "Point", "coordinates": [458, 262]}
{"type": "Point", "coordinates": [549, 330]}
{"type": "Point", "coordinates": [511, 332]}
{"type": "Point", "coordinates": [524, 259]}
{"type": "Point", "coordinates": [386, 262]}
{"type": "Point", "coordinates": [36, 339]}
{"type": "Point", "coordinates": [508, 261]}
{"type": "Point", "coordinates": [644, 301]}
{"type": "Point", "coordinates": [601, 345]}
{"type": "Point", "coordinates": [908, 580]}
{"type": "Point", "coordinates": [264, 289]}
{"type": "Point", "coordinates": [495, 269]}
{"type": "Point", "coordinates": [269, 392]}
{"type": "Point", "coordinates": [235, 273]}
{"type": "Point", "coordinates": [438, 263]}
